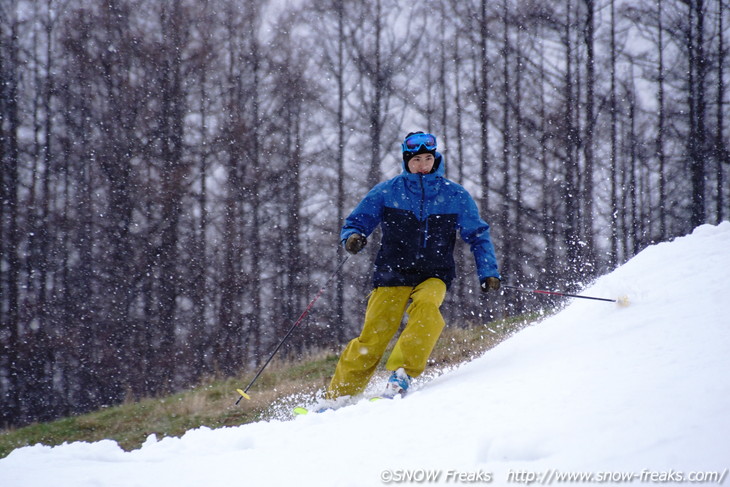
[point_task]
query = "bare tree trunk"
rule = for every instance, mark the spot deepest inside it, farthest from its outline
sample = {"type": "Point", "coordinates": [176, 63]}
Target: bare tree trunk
{"type": "Point", "coordinates": [660, 150]}
{"type": "Point", "coordinates": [256, 319]}
{"type": "Point", "coordinates": [588, 140]}
{"type": "Point", "coordinates": [697, 75]}
{"type": "Point", "coordinates": [484, 90]}
{"type": "Point", "coordinates": [572, 170]}
{"type": "Point", "coordinates": [10, 238]}
{"type": "Point", "coordinates": [340, 329]}
{"type": "Point", "coordinates": [201, 334]}
{"type": "Point", "coordinates": [456, 158]}
{"type": "Point", "coordinates": [614, 219]}
{"type": "Point", "coordinates": [377, 81]}
{"type": "Point", "coordinates": [633, 169]}
{"type": "Point", "coordinates": [547, 209]}
{"type": "Point", "coordinates": [506, 213]}
{"type": "Point", "coordinates": [39, 355]}
{"type": "Point", "coordinates": [722, 155]}
{"type": "Point", "coordinates": [228, 336]}
{"type": "Point", "coordinates": [173, 175]}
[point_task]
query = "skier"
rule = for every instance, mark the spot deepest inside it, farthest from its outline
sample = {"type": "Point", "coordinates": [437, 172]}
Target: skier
{"type": "Point", "coordinates": [419, 212]}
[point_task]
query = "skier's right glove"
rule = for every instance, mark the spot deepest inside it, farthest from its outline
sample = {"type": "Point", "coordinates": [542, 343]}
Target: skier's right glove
{"type": "Point", "coordinates": [355, 243]}
{"type": "Point", "coordinates": [490, 284]}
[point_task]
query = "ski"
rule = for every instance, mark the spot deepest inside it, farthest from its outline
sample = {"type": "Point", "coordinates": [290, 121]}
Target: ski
{"type": "Point", "coordinates": [301, 410]}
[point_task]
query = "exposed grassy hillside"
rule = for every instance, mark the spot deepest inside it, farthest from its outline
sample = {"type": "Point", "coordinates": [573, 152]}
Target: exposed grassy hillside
{"type": "Point", "coordinates": [211, 403]}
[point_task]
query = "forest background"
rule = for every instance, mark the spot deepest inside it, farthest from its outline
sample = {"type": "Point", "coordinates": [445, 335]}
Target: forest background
{"type": "Point", "coordinates": [175, 173]}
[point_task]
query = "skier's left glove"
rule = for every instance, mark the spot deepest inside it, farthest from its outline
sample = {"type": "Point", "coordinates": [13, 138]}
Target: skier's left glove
{"type": "Point", "coordinates": [490, 284]}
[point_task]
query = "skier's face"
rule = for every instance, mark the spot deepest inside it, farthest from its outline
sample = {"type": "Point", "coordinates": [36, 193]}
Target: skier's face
{"type": "Point", "coordinates": [421, 163]}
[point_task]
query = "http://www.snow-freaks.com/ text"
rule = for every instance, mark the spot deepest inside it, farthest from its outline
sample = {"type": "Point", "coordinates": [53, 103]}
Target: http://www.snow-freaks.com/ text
{"type": "Point", "coordinates": [550, 477]}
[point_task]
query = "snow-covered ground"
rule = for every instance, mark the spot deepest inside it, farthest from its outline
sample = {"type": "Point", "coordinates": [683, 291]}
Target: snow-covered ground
{"type": "Point", "coordinates": [637, 394]}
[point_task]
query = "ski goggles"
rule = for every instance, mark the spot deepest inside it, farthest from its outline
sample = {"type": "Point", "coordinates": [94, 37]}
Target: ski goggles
{"type": "Point", "coordinates": [414, 142]}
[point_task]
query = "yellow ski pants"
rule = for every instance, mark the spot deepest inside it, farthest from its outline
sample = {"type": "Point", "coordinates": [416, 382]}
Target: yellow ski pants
{"type": "Point", "coordinates": [383, 316]}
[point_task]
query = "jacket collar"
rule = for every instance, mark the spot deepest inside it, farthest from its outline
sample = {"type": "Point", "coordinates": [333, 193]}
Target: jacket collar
{"type": "Point", "coordinates": [418, 183]}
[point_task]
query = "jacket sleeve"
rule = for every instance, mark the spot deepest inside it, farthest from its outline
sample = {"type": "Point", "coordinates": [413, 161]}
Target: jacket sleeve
{"type": "Point", "coordinates": [366, 215]}
{"type": "Point", "coordinates": [475, 232]}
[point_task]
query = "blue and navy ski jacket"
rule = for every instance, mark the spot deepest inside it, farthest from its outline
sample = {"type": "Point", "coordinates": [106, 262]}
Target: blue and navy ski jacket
{"type": "Point", "coordinates": [419, 215]}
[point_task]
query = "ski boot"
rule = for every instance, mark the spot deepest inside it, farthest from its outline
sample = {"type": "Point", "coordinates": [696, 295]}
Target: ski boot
{"type": "Point", "coordinates": [398, 383]}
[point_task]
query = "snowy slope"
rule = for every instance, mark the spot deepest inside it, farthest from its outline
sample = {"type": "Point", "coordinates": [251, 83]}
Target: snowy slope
{"type": "Point", "coordinates": [596, 390]}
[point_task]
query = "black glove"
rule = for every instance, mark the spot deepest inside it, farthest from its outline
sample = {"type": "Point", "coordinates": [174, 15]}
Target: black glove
{"type": "Point", "coordinates": [355, 243]}
{"type": "Point", "coordinates": [490, 284]}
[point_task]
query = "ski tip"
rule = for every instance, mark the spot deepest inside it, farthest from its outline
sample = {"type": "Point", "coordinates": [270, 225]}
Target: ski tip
{"type": "Point", "coordinates": [623, 301]}
{"type": "Point", "coordinates": [300, 411]}
{"type": "Point", "coordinates": [243, 394]}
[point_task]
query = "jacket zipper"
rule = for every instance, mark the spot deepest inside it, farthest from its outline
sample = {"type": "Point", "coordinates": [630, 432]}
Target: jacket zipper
{"type": "Point", "coordinates": [424, 220]}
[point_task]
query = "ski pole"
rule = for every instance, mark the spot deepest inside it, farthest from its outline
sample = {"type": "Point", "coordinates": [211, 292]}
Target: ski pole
{"type": "Point", "coordinates": [244, 392]}
{"type": "Point", "coordinates": [622, 301]}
